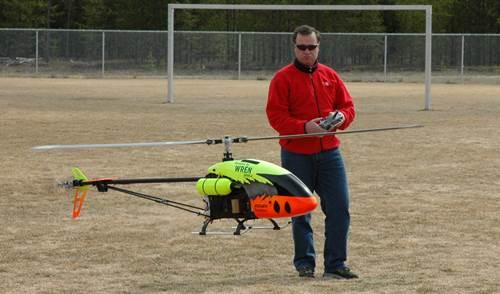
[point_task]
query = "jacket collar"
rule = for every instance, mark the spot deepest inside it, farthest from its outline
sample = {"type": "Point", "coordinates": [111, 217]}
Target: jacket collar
{"type": "Point", "coordinates": [305, 68]}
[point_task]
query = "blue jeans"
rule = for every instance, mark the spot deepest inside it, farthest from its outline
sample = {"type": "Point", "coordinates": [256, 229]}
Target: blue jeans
{"type": "Point", "coordinates": [324, 173]}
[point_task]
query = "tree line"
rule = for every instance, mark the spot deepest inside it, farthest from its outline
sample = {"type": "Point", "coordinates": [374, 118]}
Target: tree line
{"type": "Point", "coordinates": [449, 16]}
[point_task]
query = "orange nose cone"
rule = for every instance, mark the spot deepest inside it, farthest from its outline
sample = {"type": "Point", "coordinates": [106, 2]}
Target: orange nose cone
{"type": "Point", "coordinates": [276, 206]}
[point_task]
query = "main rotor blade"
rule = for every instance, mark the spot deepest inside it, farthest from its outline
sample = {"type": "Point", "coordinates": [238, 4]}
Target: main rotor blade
{"type": "Point", "coordinates": [122, 145]}
{"type": "Point", "coordinates": [332, 133]}
{"type": "Point", "coordinates": [214, 141]}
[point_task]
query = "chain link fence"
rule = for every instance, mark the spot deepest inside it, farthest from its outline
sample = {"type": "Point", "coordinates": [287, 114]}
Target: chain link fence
{"type": "Point", "coordinates": [244, 55]}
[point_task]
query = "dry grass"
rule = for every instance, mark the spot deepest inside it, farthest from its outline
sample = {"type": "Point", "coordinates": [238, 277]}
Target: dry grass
{"type": "Point", "coordinates": [424, 202]}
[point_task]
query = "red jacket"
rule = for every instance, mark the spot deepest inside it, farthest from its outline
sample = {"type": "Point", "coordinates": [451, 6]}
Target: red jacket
{"type": "Point", "coordinates": [298, 94]}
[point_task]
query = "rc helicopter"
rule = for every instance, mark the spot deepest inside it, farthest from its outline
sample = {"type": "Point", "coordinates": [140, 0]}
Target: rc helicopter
{"type": "Point", "coordinates": [238, 189]}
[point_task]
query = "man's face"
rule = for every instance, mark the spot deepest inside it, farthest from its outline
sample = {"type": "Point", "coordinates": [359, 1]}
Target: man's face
{"type": "Point", "coordinates": [309, 55]}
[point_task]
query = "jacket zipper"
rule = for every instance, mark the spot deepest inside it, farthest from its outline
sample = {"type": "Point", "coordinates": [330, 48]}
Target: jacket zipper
{"type": "Point", "coordinates": [317, 106]}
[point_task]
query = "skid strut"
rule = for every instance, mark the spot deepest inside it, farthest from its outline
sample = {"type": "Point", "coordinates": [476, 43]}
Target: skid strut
{"type": "Point", "coordinates": [240, 228]}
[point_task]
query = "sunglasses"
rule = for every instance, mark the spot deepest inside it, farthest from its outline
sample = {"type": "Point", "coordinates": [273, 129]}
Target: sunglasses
{"type": "Point", "coordinates": [309, 47]}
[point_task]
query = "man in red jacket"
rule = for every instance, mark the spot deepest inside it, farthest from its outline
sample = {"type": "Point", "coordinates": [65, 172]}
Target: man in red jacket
{"type": "Point", "coordinates": [301, 95]}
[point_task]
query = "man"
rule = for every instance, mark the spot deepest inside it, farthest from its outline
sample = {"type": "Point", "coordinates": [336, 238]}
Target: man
{"type": "Point", "coordinates": [301, 95]}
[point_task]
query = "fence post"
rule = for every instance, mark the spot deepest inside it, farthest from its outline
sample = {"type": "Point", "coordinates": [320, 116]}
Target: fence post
{"type": "Point", "coordinates": [462, 59]}
{"type": "Point", "coordinates": [239, 56]}
{"type": "Point", "coordinates": [36, 52]}
{"type": "Point", "coordinates": [385, 58]}
{"type": "Point", "coordinates": [428, 57]}
{"type": "Point", "coordinates": [103, 51]}
{"type": "Point", "coordinates": [170, 55]}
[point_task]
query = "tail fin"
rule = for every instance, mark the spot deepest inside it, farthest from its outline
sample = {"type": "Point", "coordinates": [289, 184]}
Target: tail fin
{"type": "Point", "coordinates": [80, 191]}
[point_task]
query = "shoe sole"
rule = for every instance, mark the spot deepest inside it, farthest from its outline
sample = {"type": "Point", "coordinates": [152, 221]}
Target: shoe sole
{"type": "Point", "coordinates": [338, 277]}
{"type": "Point", "coordinates": [306, 273]}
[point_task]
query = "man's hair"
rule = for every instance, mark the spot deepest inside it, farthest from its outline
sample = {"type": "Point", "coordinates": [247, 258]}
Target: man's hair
{"type": "Point", "coordinates": [304, 30]}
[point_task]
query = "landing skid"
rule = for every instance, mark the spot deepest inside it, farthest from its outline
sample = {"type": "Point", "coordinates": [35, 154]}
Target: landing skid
{"type": "Point", "coordinates": [240, 228]}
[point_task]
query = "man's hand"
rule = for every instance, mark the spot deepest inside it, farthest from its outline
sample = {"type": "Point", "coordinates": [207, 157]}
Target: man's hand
{"type": "Point", "coordinates": [312, 126]}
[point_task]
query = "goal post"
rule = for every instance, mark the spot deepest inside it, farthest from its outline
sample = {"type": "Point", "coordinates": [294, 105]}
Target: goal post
{"type": "Point", "coordinates": [426, 8]}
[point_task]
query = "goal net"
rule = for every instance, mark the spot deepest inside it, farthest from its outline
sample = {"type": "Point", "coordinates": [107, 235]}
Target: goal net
{"type": "Point", "coordinates": [215, 52]}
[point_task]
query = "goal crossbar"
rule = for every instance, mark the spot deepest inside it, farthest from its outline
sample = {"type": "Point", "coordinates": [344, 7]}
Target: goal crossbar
{"type": "Point", "coordinates": [426, 8]}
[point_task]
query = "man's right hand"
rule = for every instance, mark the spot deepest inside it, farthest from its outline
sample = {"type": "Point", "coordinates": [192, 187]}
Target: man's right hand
{"type": "Point", "coordinates": [312, 126]}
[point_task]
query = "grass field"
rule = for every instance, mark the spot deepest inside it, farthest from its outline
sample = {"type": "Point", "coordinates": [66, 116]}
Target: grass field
{"type": "Point", "coordinates": [424, 202]}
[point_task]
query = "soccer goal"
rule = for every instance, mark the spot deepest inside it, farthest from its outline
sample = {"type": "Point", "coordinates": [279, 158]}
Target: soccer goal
{"type": "Point", "coordinates": [426, 8]}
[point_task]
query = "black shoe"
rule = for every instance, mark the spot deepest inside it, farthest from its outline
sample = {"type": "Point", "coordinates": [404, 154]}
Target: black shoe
{"type": "Point", "coordinates": [306, 272]}
{"type": "Point", "coordinates": [343, 273]}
